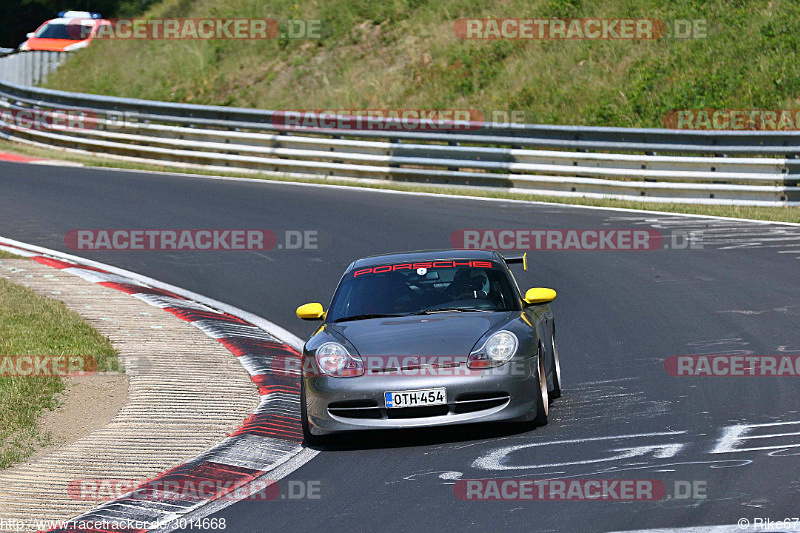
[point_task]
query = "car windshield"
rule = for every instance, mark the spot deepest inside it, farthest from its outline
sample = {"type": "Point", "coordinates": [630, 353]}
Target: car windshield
{"type": "Point", "coordinates": [410, 291]}
{"type": "Point", "coordinates": [72, 32]}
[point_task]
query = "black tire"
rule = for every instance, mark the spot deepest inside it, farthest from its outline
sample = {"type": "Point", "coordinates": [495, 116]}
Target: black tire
{"type": "Point", "coordinates": [556, 392]}
{"type": "Point", "coordinates": [309, 439]}
{"type": "Point", "coordinates": [543, 398]}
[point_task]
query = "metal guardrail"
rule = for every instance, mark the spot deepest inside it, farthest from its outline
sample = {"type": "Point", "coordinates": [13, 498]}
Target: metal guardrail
{"type": "Point", "coordinates": [29, 68]}
{"type": "Point", "coordinates": [733, 167]}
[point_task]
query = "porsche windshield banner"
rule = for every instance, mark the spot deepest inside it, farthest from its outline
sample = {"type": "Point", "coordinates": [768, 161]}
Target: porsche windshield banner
{"type": "Point", "coordinates": [421, 267]}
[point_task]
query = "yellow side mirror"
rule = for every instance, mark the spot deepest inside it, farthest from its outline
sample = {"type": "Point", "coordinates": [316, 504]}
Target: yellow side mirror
{"type": "Point", "coordinates": [540, 295]}
{"type": "Point", "coordinates": [310, 311]}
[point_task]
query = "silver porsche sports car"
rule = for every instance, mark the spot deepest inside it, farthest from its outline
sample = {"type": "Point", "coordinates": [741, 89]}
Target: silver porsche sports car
{"type": "Point", "coordinates": [429, 338]}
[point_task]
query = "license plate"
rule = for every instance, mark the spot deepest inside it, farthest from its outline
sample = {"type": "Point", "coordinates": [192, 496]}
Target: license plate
{"type": "Point", "coordinates": [415, 398]}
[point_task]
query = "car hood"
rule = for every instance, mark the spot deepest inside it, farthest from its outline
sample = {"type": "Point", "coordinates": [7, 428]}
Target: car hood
{"type": "Point", "coordinates": [35, 43]}
{"type": "Point", "coordinates": [445, 334]}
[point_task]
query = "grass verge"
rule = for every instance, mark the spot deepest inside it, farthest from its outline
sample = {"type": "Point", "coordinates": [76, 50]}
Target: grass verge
{"type": "Point", "coordinates": [405, 54]}
{"type": "Point", "coordinates": [772, 214]}
{"type": "Point", "coordinates": [31, 324]}
{"type": "Point", "coordinates": [6, 255]}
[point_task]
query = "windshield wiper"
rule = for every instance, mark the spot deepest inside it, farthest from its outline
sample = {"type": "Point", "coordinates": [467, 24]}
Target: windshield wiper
{"type": "Point", "coordinates": [364, 317]}
{"type": "Point", "coordinates": [455, 309]}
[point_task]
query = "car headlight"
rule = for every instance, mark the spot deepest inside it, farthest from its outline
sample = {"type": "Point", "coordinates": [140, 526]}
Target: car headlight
{"type": "Point", "coordinates": [497, 350]}
{"type": "Point", "coordinates": [333, 359]}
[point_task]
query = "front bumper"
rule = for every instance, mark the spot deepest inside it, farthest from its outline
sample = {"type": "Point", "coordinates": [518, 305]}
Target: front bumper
{"type": "Point", "coordinates": [508, 392]}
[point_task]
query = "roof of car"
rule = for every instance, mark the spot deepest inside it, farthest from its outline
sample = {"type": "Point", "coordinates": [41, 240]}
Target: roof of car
{"type": "Point", "coordinates": [65, 22]}
{"type": "Point", "coordinates": [426, 255]}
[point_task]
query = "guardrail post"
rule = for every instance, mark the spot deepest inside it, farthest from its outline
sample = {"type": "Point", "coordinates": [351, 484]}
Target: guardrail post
{"type": "Point", "coordinates": [453, 143]}
{"type": "Point", "coordinates": [792, 172]}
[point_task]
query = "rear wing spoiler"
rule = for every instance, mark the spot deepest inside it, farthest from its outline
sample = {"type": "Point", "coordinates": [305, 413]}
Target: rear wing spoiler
{"type": "Point", "coordinates": [520, 259]}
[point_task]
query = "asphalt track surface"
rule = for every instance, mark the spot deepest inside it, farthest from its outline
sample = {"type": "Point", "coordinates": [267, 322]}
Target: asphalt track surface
{"type": "Point", "coordinates": [618, 314]}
